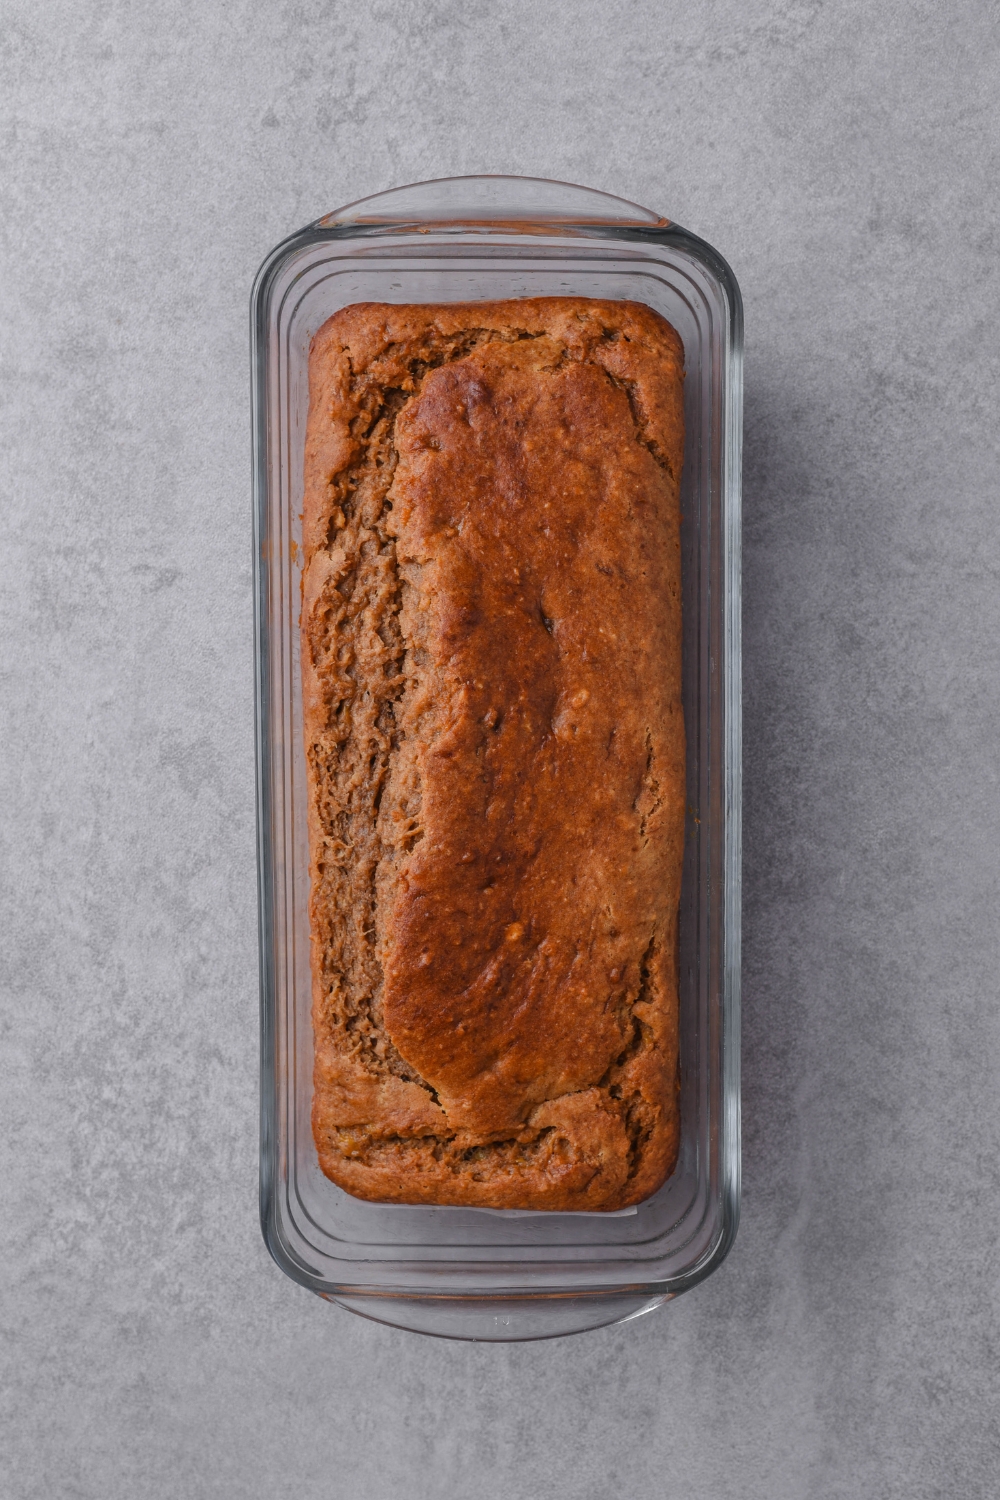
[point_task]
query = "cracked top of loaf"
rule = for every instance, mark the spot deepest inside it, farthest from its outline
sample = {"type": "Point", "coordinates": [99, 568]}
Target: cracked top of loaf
{"type": "Point", "coordinates": [491, 665]}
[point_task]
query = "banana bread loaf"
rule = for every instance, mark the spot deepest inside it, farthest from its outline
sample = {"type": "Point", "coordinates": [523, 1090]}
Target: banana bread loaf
{"type": "Point", "coordinates": [491, 666]}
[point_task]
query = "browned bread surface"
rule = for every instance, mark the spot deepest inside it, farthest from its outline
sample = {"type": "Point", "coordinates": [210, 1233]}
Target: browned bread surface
{"type": "Point", "coordinates": [491, 662]}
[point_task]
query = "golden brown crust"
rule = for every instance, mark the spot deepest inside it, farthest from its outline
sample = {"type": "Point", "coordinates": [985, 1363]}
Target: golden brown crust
{"type": "Point", "coordinates": [491, 681]}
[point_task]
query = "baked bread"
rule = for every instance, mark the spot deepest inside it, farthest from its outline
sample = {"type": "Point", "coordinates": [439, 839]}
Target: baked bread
{"type": "Point", "coordinates": [491, 671]}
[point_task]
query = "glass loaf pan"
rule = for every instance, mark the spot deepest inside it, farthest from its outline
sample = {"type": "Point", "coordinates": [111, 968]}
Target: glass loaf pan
{"type": "Point", "coordinates": [479, 1273]}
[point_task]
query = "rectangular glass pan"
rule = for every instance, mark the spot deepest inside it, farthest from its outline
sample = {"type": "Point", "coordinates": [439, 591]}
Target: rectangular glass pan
{"type": "Point", "coordinates": [478, 1273]}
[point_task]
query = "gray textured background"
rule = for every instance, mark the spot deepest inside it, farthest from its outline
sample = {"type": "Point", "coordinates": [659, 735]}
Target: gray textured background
{"type": "Point", "coordinates": [844, 156]}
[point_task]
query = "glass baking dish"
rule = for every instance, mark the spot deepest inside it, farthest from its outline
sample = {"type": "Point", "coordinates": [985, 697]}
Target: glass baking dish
{"type": "Point", "coordinates": [480, 1273]}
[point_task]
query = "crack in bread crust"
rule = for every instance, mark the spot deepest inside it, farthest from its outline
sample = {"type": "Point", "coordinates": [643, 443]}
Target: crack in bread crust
{"type": "Point", "coordinates": [481, 1036]}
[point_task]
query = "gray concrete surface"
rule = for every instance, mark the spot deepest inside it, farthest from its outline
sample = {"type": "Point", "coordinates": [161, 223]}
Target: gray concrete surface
{"type": "Point", "coordinates": [844, 156]}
